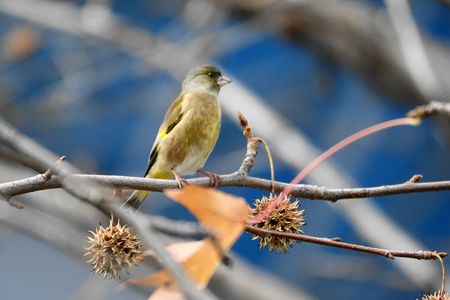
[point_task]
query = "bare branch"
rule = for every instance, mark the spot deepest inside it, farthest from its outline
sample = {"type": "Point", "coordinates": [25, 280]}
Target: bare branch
{"type": "Point", "coordinates": [37, 183]}
{"type": "Point", "coordinates": [427, 255]}
{"type": "Point", "coordinates": [10, 201]}
{"type": "Point", "coordinates": [430, 109]}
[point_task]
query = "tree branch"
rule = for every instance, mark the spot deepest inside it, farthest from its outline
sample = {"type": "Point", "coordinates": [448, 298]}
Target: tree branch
{"type": "Point", "coordinates": [430, 109]}
{"type": "Point", "coordinates": [427, 255]}
{"type": "Point", "coordinates": [38, 183]}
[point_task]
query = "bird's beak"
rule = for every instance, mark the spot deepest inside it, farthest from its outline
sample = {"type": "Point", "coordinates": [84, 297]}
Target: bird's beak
{"type": "Point", "coordinates": [222, 80]}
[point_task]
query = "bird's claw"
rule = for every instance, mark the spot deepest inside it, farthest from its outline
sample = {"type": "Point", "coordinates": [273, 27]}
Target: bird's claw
{"type": "Point", "coordinates": [213, 177]}
{"type": "Point", "coordinates": [180, 180]}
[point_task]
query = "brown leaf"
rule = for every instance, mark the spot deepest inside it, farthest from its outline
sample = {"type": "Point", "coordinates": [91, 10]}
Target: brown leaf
{"type": "Point", "coordinates": [223, 214]}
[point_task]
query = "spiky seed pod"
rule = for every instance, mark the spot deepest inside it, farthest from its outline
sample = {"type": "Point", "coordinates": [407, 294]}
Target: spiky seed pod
{"type": "Point", "coordinates": [113, 249]}
{"type": "Point", "coordinates": [284, 218]}
{"type": "Point", "coordinates": [439, 295]}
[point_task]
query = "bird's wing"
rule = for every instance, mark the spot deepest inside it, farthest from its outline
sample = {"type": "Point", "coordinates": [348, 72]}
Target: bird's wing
{"type": "Point", "coordinates": [172, 117]}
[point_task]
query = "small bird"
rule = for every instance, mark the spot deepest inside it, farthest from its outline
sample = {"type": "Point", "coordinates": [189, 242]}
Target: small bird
{"type": "Point", "coordinates": [188, 132]}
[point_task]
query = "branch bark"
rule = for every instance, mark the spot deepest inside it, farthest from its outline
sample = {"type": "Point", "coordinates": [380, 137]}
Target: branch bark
{"type": "Point", "coordinates": [392, 254]}
{"type": "Point", "coordinates": [431, 109]}
{"type": "Point", "coordinates": [311, 192]}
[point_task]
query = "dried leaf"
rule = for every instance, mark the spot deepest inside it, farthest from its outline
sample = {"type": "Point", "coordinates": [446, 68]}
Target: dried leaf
{"type": "Point", "coordinates": [180, 252]}
{"type": "Point", "coordinates": [224, 215]}
{"type": "Point", "coordinates": [161, 294]}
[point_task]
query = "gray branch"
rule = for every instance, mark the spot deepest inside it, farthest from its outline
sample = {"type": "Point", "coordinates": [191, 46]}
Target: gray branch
{"type": "Point", "coordinates": [38, 183]}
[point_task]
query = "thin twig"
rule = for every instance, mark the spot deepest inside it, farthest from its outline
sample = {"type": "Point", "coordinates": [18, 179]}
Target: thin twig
{"type": "Point", "coordinates": [430, 109]}
{"type": "Point", "coordinates": [252, 150]}
{"type": "Point", "coordinates": [11, 202]}
{"type": "Point", "coordinates": [442, 270]}
{"type": "Point", "coordinates": [426, 255]}
{"type": "Point", "coordinates": [271, 165]}
{"type": "Point", "coordinates": [48, 174]}
{"type": "Point", "coordinates": [252, 147]}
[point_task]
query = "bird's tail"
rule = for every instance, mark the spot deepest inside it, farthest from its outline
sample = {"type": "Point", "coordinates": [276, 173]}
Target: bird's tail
{"type": "Point", "coordinates": [135, 200]}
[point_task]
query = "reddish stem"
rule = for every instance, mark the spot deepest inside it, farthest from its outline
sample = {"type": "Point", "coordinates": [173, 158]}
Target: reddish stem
{"type": "Point", "coordinates": [327, 154]}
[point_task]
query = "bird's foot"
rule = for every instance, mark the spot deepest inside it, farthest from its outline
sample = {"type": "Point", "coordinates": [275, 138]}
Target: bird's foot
{"type": "Point", "coordinates": [213, 177]}
{"type": "Point", "coordinates": [180, 180]}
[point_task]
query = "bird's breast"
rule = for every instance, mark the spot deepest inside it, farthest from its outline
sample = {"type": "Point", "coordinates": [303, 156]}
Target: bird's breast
{"type": "Point", "coordinates": [198, 132]}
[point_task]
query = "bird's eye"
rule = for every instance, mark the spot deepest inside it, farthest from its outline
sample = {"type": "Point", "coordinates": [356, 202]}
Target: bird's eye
{"type": "Point", "coordinates": [211, 74]}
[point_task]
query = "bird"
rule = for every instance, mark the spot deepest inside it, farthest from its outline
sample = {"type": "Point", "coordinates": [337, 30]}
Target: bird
{"type": "Point", "coordinates": [188, 132]}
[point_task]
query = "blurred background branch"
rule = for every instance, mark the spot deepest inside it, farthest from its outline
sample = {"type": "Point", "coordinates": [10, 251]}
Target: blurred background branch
{"type": "Point", "coordinates": [378, 44]}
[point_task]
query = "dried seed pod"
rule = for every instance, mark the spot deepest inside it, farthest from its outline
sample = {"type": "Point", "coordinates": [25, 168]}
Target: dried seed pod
{"type": "Point", "coordinates": [439, 295]}
{"type": "Point", "coordinates": [113, 249]}
{"type": "Point", "coordinates": [286, 217]}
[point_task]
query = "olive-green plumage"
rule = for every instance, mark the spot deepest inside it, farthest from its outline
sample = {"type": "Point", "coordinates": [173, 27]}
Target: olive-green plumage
{"type": "Point", "coordinates": [189, 130]}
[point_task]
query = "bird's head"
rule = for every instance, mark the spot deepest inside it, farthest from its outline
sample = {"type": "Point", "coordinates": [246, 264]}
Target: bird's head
{"type": "Point", "coordinates": [205, 77]}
